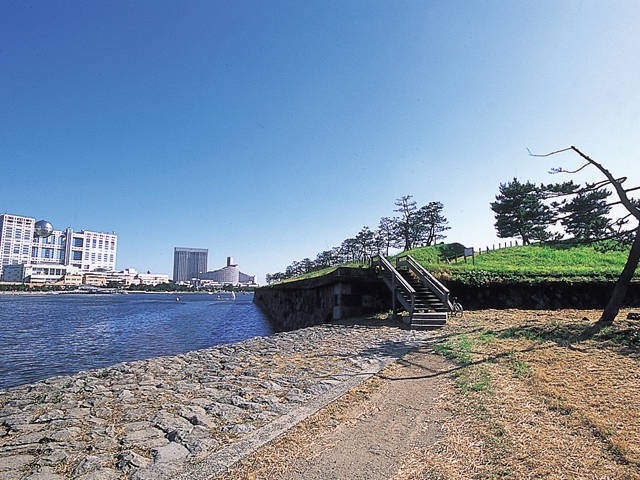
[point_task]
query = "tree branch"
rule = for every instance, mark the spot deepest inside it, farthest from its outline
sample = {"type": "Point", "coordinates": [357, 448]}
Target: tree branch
{"type": "Point", "coordinates": [562, 170]}
{"type": "Point", "coordinates": [548, 154]}
{"type": "Point", "coordinates": [617, 183]}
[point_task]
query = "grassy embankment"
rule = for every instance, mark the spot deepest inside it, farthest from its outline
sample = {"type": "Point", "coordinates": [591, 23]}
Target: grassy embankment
{"type": "Point", "coordinates": [534, 263]}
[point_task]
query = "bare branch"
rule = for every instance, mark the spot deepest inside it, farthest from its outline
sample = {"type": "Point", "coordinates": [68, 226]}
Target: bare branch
{"type": "Point", "coordinates": [622, 194]}
{"type": "Point", "coordinates": [562, 170]}
{"type": "Point", "coordinates": [623, 220]}
{"type": "Point", "coordinates": [616, 183]}
{"type": "Point", "coordinates": [548, 154]}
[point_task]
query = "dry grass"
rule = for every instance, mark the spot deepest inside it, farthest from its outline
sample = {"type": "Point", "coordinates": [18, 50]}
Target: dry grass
{"type": "Point", "coordinates": [272, 460]}
{"type": "Point", "coordinates": [527, 401]}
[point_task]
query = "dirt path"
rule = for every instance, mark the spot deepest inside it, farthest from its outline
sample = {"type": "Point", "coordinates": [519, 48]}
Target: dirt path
{"type": "Point", "coordinates": [366, 436]}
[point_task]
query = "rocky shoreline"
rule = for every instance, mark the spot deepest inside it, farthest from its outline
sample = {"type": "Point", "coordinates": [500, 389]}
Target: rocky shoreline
{"type": "Point", "coordinates": [190, 415]}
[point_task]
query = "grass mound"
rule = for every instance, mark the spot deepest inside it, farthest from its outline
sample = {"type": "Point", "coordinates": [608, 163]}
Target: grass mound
{"type": "Point", "coordinates": [533, 263]}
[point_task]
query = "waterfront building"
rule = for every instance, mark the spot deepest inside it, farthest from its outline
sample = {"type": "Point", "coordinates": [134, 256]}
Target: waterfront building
{"type": "Point", "coordinates": [83, 250]}
{"type": "Point", "coordinates": [152, 278]}
{"type": "Point", "coordinates": [130, 276]}
{"type": "Point", "coordinates": [189, 263]}
{"type": "Point", "coordinates": [41, 273]}
{"type": "Point", "coordinates": [93, 250]}
{"type": "Point", "coordinates": [16, 273]}
{"type": "Point", "coordinates": [16, 238]}
{"type": "Point", "coordinates": [229, 275]}
{"type": "Point", "coordinates": [74, 279]}
{"type": "Point", "coordinates": [95, 279]}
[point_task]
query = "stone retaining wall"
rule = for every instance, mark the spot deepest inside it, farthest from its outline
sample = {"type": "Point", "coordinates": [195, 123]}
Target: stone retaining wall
{"type": "Point", "coordinates": [542, 296]}
{"type": "Point", "coordinates": [344, 293]}
{"type": "Point", "coordinates": [349, 292]}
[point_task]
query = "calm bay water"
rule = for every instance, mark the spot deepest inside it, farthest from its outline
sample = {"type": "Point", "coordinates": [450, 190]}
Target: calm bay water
{"type": "Point", "coordinates": [46, 335]}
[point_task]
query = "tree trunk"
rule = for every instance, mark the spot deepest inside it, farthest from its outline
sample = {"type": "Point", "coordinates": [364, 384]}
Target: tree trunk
{"type": "Point", "coordinates": [620, 290]}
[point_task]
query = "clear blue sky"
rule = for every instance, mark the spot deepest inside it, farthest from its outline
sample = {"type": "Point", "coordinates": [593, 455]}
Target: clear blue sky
{"type": "Point", "coordinates": [272, 130]}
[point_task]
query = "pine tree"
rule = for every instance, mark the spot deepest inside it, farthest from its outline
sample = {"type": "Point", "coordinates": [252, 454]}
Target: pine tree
{"type": "Point", "coordinates": [586, 215]}
{"type": "Point", "coordinates": [520, 212]}
{"type": "Point", "coordinates": [406, 233]}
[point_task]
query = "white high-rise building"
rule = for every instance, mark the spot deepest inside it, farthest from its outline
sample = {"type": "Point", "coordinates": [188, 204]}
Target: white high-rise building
{"type": "Point", "coordinates": [16, 239]}
{"type": "Point", "coordinates": [83, 250]}
{"type": "Point", "coordinates": [98, 250]}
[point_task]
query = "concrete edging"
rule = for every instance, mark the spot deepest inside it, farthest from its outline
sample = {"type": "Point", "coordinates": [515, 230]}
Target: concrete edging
{"type": "Point", "coordinates": [222, 460]}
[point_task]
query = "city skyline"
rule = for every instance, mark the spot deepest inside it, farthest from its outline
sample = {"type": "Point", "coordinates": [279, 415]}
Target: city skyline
{"type": "Point", "coordinates": [64, 247]}
{"type": "Point", "coordinates": [25, 241]}
{"type": "Point", "coordinates": [273, 131]}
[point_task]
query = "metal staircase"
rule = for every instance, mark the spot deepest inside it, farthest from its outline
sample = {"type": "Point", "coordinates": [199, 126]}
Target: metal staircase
{"type": "Point", "coordinates": [416, 290]}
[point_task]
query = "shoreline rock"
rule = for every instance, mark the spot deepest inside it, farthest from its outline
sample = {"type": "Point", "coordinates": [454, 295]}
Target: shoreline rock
{"type": "Point", "coordinates": [166, 416]}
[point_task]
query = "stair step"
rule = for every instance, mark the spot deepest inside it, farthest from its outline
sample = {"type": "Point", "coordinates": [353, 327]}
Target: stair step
{"type": "Point", "coordinates": [430, 319]}
{"type": "Point", "coordinates": [430, 316]}
{"type": "Point", "coordinates": [428, 309]}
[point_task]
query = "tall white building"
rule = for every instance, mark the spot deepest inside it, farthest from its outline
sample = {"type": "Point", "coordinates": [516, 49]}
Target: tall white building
{"type": "Point", "coordinates": [16, 239]}
{"type": "Point", "coordinates": [83, 250]}
{"type": "Point", "coordinates": [91, 250]}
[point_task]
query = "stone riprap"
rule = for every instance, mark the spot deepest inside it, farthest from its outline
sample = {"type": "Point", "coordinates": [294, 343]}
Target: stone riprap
{"type": "Point", "coordinates": [190, 415]}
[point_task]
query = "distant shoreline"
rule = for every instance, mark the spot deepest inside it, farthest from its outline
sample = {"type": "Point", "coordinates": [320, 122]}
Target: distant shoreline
{"type": "Point", "coordinates": [118, 292]}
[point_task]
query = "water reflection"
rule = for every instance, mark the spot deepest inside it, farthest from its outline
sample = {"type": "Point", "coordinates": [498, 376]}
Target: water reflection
{"type": "Point", "coordinates": [47, 335]}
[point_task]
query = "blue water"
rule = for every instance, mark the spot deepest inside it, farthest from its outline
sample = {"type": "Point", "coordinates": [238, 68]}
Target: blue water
{"type": "Point", "coordinates": [47, 335]}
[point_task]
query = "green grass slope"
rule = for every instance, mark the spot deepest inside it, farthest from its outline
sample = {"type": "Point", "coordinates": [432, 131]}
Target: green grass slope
{"type": "Point", "coordinates": [533, 263]}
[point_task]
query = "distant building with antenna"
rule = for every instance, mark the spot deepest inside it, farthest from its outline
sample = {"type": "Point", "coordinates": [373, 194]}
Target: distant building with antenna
{"type": "Point", "coordinates": [49, 254]}
{"type": "Point", "coordinates": [229, 275]}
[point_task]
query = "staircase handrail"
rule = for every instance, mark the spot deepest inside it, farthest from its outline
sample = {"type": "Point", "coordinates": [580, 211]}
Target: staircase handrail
{"type": "Point", "coordinates": [429, 280]}
{"type": "Point", "coordinates": [397, 280]}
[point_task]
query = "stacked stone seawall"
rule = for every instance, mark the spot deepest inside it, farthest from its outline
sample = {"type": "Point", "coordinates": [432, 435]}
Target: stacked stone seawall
{"type": "Point", "coordinates": [349, 292]}
{"type": "Point", "coordinates": [547, 295]}
{"type": "Point", "coordinates": [344, 293]}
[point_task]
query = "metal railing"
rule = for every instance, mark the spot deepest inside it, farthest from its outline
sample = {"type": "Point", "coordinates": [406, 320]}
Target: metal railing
{"type": "Point", "coordinates": [396, 282]}
{"type": "Point", "coordinates": [428, 280]}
